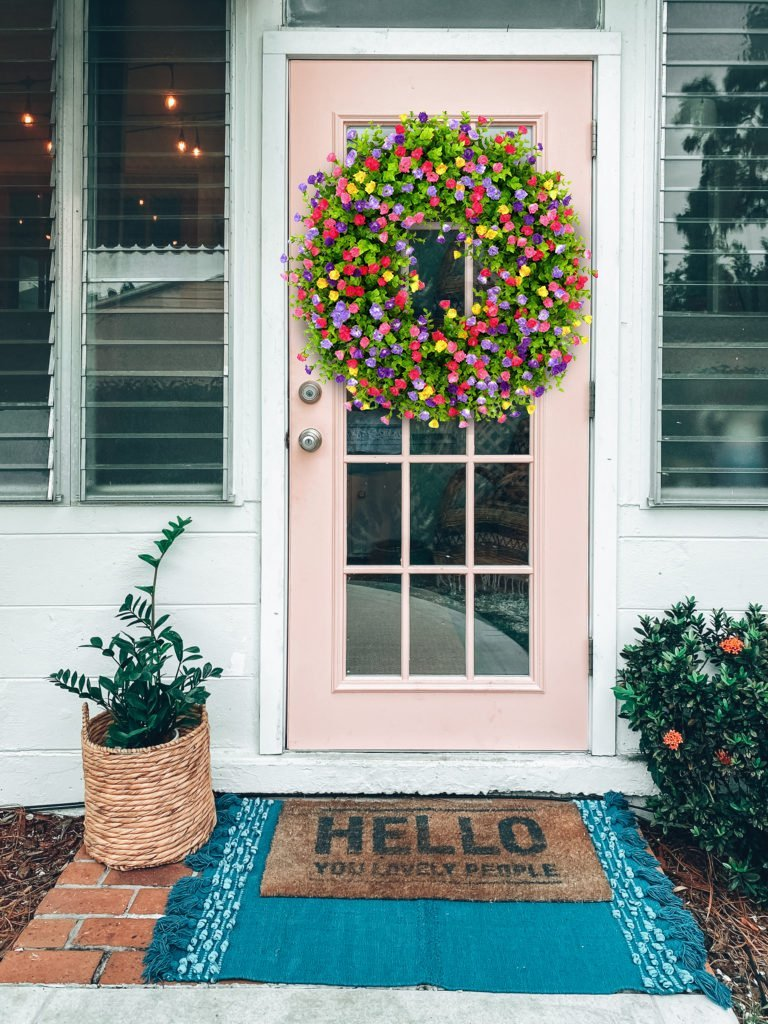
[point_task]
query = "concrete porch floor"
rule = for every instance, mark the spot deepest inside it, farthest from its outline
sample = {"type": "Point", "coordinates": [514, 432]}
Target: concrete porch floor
{"type": "Point", "coordinates": [294, 1004]}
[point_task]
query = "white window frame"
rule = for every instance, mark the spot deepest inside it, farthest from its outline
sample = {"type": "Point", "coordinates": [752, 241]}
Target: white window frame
{"type": "Point", "coordinates": [604, 49]}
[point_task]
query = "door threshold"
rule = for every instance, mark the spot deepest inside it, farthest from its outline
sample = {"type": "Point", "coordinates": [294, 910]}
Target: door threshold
{"type": "Point", "coordinates": [430, 773]}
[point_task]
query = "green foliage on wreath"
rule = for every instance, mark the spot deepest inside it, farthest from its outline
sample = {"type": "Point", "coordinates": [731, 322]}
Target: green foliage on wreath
{"type": "Point", "coordinates": [697, 692]}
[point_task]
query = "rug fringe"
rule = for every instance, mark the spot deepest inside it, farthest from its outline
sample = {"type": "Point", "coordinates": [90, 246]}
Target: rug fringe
{"type": "Point", "coordinates": [173, 932]}
{"type": "Point", "coordinates": [683, 935]}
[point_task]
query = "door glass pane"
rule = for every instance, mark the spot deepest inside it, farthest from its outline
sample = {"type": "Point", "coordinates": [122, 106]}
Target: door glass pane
{"type": "Point", "coordinates": [374, 496]}
{"type": "Point", "coordinates": [442, 274]}
{"type": "Point", "coordinates": [367, 435]}
{"type": "Point", "coordinates": [438, 513]}
{"type": "Point", "coordinates": [510, 438]}
{"type": "Point", "coordinates": [501, 514]}
{"type": "Point", "coordinates": [447, 439]}
{"type": "Point", "coordinates": [438, 625]}
{"type": "Point", "coordinates": [501, 625]}
{"type": "Point", "coordinates": [373, 625]}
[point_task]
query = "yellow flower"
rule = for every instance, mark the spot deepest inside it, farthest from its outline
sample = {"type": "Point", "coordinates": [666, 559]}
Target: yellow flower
{"type": "Point", "coordinates": [481, 229]}
{"type": "Point", "coordinates": [566, 330]}
{"type": "Point", "coordinates": [414, 284]}
{"type": "Point", "coordinates": [530, 409]}
{"type": "Point", "coordinates": [588, 318]}
{"type": "Point", "coordinates": [433, 423]}
{"type": "Point", "coordinates": [451, 314]}
{"type": "Point", "coordinates": [333, 295]}
{"type": "Point", "coordinates": [334, 275]}
{"type": "Point", "coordinates": [542, 292]}
{"type": "Point", "coordinates": [351, 389]}
{"type": "Point", "coordinates": [353, 370]}
{"type": "Point", "coordinates": [463, 334]}
{"type": "Point", "coordinates": [491, 233]}
{"type": "Point", "coordinates": [428, 390]}
{"type": "Point", "coordinates": [387, 275]}
{"type": "Point", "coordinates": [525, 271]}
{"type": "Point", "coordinates": [370, 187]}
{"type": "Point", "coordinates": [322, 283]}
{"type": "Point", "coordinates": [553, 193]}
{"type": "Point", "coordinates": [441, 169]}
{"type": "Point", "coordinates": [460, 161]}
{"type": "Point", "coordinates": [456, 254]}
{"type": "Point", "coordinates": [441, 345]}
{"type": "Point", "coordinates": [361, 176]}
{"type": "Point", "coordinates": [504, 208]}
{"type": "Point", "coordinates": [476, 308]}
{"type": "Point", "coordinates": [548, 184]}
{"type": "Point", "coordinates": [352, 188]}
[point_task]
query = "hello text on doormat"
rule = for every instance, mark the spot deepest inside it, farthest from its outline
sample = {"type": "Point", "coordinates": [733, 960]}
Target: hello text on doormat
{"type": "Point", "coordinates": [446, 849]}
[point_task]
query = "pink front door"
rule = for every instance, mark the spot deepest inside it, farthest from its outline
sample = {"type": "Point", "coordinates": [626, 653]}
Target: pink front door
{"type": "Point", "coordinates": [438, 592]}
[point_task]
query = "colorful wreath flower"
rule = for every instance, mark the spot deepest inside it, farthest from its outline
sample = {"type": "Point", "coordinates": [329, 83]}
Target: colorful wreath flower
{"type": "Point", "coordinates": [355, 278]}
{"type": "Point", "coordinates": [732, 645]}
{"type": "Point", "coordinates": [672, 739]}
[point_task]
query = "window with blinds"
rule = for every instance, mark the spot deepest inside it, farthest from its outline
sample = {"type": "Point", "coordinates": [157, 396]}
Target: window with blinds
{"type": "Point", "coordinates": [27, 161]}
{"type": "Point", "coordinates": [154, 397]}
{"type": "Point", "coordinates": [714, 253]}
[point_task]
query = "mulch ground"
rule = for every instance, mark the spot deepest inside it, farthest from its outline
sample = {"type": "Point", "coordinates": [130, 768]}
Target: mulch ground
{"type": "Point", "coordinates": [735, 926]}
{"type": "Point", "coordinates": [35, 848]}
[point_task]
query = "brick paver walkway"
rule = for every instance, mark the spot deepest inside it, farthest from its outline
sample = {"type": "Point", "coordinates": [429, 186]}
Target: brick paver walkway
{"type": "Point", "coordinates": [92, 927]}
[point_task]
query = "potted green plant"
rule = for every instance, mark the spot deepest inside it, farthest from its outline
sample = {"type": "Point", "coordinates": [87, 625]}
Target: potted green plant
{"type": "Point", "coordinates": [146, 756]}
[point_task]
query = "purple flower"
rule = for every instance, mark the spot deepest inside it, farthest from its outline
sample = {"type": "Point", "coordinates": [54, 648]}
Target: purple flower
{"type": "Point", "coordinates": [303, 187]}
{"type": "Point", "coordinates": [351, 134]}
{"type": "Point", "coordinates": [376, 311]}
{"type": "Point", "coordinates": [423, 117]}
{"type": "Point", "coordinates": [350, 157]}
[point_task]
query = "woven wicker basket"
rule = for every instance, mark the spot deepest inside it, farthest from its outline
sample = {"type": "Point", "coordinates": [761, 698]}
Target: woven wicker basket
{"type": "Point", "coordinates": [149, 806]}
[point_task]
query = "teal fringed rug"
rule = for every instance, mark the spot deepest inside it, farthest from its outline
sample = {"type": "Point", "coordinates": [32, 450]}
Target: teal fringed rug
{"type": "Point", "coordinates": [219, 926]}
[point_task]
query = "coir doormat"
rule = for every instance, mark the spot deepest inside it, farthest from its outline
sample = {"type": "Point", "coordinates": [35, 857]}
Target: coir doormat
{"type": "Point", "coordinates": [222, 925]}
{"type": "Point", "coordinates": [442, 849]}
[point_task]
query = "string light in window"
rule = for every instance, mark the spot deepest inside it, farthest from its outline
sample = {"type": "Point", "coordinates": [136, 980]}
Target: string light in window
{"type": "Point", "coordinates": [27, 117]}
{"type": "Point", "coordinates": [196, 149]}
{"type": "Point", "coordinates": [181, 142]}
{"type": "Point", "coordinates": [171, 100]}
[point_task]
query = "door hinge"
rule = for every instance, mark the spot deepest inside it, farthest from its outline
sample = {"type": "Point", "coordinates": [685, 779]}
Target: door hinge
{"type": "Point", "coordinates": [594, 139]}
{"type": "Point", "coordinates": [591, 399]}
{"type": "Point", "coordinates": [590, 655]}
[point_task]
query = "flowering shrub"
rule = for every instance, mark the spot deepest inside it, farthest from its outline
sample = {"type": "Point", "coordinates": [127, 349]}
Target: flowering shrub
{"type": "Point", "coordinates": [355, 281]}
{"type": "Point", "coordinates": [698, 694]}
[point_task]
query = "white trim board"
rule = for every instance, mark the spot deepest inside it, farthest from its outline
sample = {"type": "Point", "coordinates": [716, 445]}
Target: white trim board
{"type": "Point", "coordinates": [278, 48]}
{"type": "Point", "coordinates": [33, 778]}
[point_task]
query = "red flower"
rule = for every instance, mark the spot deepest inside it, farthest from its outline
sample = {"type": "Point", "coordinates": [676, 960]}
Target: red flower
{"type": "Point", "coordinates": [732, 645]}
{"type": "Point", "coordinates": [672, 739]}
{"type": "Point", "coordinates": [724, 757]}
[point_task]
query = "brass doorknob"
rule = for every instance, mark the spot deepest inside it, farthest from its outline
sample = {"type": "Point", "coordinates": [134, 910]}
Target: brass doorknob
{"type": "Point", "coordinates": [310, 439]}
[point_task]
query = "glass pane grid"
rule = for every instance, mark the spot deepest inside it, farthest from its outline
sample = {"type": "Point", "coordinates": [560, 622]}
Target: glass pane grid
{"type": "Point", "coordinates": [431, 569]}
{"type": "Point", "coordinates": [155, 312]}
{"type": "Point", "coordinates": [713, 268]}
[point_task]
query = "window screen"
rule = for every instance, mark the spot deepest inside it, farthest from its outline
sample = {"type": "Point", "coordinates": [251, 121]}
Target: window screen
{"type": "Point", "coordinates": [156, 270]}
{"type": "Point", "coordinates": [27, 160]}
{"type": "Point", "coordinates": [714, 253]}
{"type": "Point", "coordinates": [443, 13]}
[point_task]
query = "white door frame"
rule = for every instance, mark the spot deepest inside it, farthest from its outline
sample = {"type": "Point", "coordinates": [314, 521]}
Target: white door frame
{"type": "Point", "coordinates": [604, 48]}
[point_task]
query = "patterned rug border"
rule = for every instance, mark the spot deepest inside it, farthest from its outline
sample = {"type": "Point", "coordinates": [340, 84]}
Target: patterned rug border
{"type": "Point", "coordinates": [665, 942]}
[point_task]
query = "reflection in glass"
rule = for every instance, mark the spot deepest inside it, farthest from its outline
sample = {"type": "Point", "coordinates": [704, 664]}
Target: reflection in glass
{"type": "Point", "coordinates": [437, 607]}
{"type": "Point", "coordinates": [510, 438]}
{"type": "Point", "coordinates": [443, 276]}
{"type": "Point", "coordinates": [373, 514]}
{"type": "Point", "coordinates": [438, 513]}
{"type": "Point", "coordinates": [501, 514]}
{"type": "Point", "coordinates": [447, 439]}
{"type": "Point", "coordinates": [715, 286]}
{"type": "Point", "coordinates": [367, 435]}
{"type": "Point", "coordinates": [501, 625]}
{"type": "Point", "coordinates": [373, 625]}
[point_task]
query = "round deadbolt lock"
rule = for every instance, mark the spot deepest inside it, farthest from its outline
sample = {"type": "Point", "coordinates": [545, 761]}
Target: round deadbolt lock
{"type": "Point", "coordinates": [310, 392]}
{"type": "Point", "coordinates": [310, 439]}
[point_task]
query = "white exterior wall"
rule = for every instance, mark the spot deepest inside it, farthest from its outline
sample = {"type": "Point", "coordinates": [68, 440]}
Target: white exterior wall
{"type": "Point", "coordinates": [64, 570]}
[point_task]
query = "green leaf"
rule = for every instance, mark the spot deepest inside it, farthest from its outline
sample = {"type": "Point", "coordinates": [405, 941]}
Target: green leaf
{"type": "Point", "coordinates": [150, 560]}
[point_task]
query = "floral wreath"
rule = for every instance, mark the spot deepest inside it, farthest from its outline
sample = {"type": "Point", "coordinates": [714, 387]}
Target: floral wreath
{"type": "Point", "coordinates": [355, 281]}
